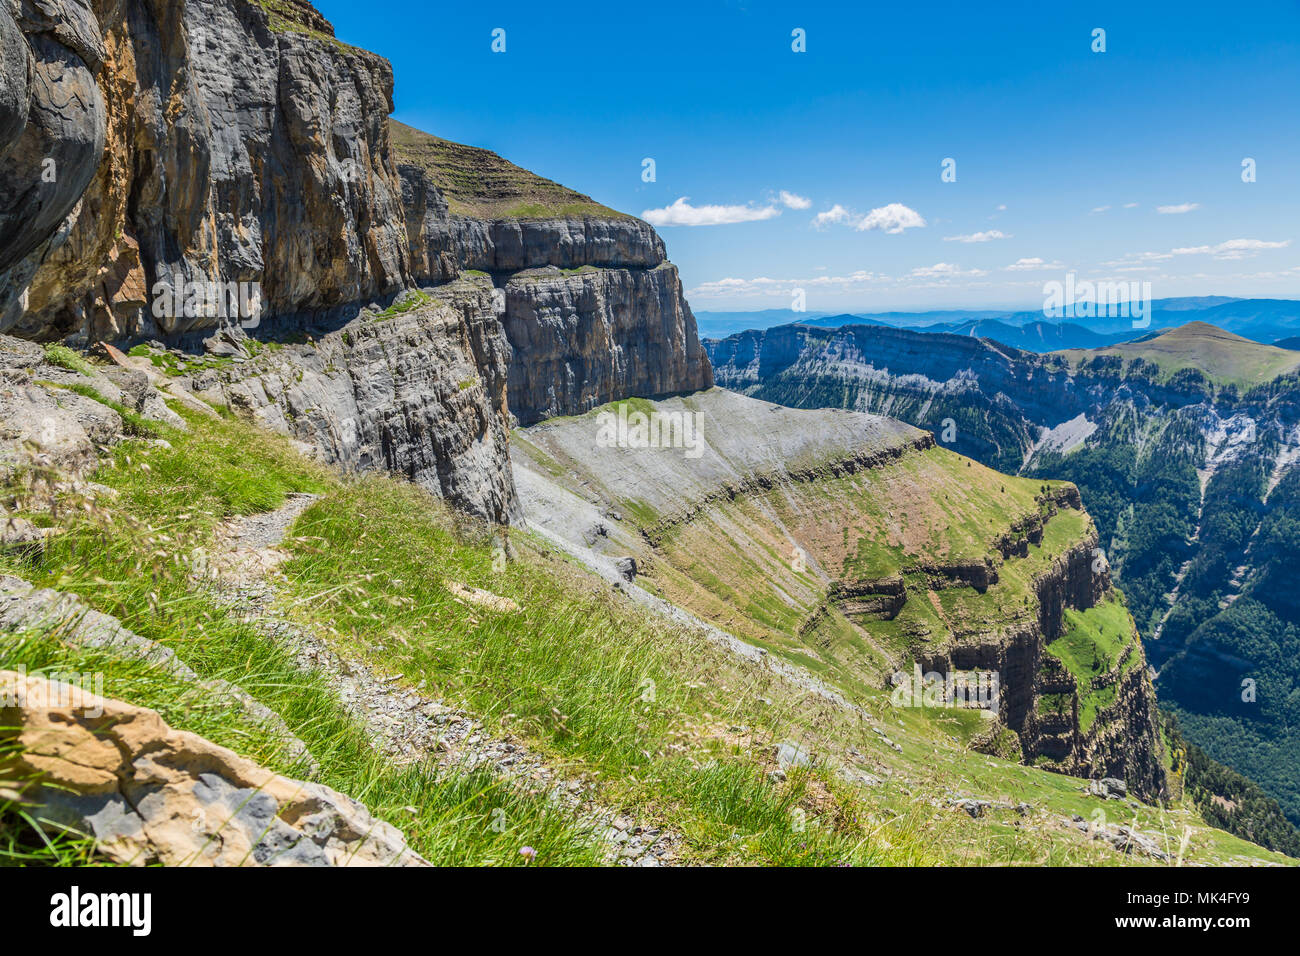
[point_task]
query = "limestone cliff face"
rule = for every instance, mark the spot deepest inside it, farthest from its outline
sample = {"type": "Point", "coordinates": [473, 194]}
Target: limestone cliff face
{"type": "Point", "coordinates": [1122, 740]}
{"type": "Point", "coordinates": [151, 147]}
{"type": "Point", "coordinates": [582, 339]}
{"type": "Point", "coordinates": [593, 308]}
{"type": "Point", "coordinates": [193, 141]}
{"type": "Point", "coordinates": [420, 393]}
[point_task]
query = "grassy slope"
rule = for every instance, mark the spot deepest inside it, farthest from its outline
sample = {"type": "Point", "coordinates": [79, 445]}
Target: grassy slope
{"type": "Point", "coordinates": [1223, 357]}
{"type": "Point", "coordinates": [568, 673]}
{"type": "Point", "coordinates": [1096, 642]}
{"type": "Point", "coordinates": [735, 563]}
{"type": "Point", "coordinates": [481, 184]}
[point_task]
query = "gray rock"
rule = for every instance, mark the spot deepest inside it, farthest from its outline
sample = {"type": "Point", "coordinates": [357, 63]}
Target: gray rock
{"type": "Point", "coordinates": [789, 754]}
{"type": "Point", "coordinates": [1108, 788]}
{"type": "Point", "coordinates": [627, 567]}
{"type": "Point", "coordinates": [28, 609]}
{"type": "Point", "coordinates": [53, 120]}
{"type": "Point", "coordinates": [151, 794]}
{"type": "Point", "coordinates": [421, 394]}
{"type": "Point", "coordinates": [582, 340]}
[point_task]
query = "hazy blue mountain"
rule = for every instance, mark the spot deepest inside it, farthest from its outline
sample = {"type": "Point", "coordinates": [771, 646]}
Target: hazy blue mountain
{"type": "Point", "coordinates": [718, 325]}
{"type": "Point", "coordinates": [1261, 320]}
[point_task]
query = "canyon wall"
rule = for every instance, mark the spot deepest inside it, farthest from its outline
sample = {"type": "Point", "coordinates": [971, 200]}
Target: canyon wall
{"type": "Point", "coordinates": [152, 148]}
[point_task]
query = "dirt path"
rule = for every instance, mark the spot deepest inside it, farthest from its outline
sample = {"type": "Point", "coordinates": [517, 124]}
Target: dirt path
{"type": "Point", "coordinates": [403, 723]}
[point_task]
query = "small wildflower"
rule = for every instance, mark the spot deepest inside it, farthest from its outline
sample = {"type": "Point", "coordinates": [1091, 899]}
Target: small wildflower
{"type": "Point", "coordinates": [528, 853]}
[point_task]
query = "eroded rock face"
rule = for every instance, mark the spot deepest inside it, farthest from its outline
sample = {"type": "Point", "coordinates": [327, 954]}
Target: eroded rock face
{"type": "Point", "coordinates": [420, 393]}
{"type": "Point", "coordinates": [150, 794]}
{"type": "Point", "coordinates": [1123, 739]}
{"type": "Point", "coordinates": [584, 339]}
{"type": "Point", "coordinates": [593, 309]}
{"type": "Point", "coordinates": [234, 153]}
{"type": "Point", "coordinates": [52, 120]}
{"type": "Point", "coordinates": [208, 144]}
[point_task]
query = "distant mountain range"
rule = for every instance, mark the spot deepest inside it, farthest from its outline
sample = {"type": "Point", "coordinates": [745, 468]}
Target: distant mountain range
{"type": "Point", "coordinates": [1267, 321]}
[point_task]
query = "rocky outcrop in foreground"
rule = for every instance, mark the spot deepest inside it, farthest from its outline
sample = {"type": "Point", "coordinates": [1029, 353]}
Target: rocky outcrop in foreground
{"type": "Point", "coordinates": [54, 418]}
{"type": "Point", "coordinates": [150, 794]}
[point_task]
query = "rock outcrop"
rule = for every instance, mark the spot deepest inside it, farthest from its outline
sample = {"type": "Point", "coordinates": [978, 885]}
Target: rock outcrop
{"type": "Point", "coordinates": [1123, 739]}
{"type": "Point", "coordinates": [25, 609]}
{"type": "Point", "coordinates": [59, 419]}
{"type": "Point", "coordinates": [420, 393]}
{"type": "Point", "coordinates": [593, 309]}
{"type": "Point", "coordinates": [196, 143]}
{"type": "Point", "coordinates": [149, 794]}
{"type": "Point", "coordinates": [229, 163]}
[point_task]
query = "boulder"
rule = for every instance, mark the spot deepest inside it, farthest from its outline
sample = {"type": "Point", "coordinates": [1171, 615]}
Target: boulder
{"type": "Point", "coordinates": [149, 794]}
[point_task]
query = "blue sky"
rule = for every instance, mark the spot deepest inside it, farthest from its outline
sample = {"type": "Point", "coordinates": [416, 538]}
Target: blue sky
{"type": "Point", "coordinates": [1065, 158]}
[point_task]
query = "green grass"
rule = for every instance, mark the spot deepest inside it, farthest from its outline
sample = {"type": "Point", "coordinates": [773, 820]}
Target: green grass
{"type": "Point", "coordinates": [481, 184]}
{"type": "Point", "coordinates": [600, 689]}
{"type": "Point", "coordinates": [408, 303]}
{"type": "Point", "coordinates": [133, 559]}
{"type": "Point", "coordinates": [133, 423]}
{"type": "Point", "coordinates": [64, 357]}
{"type": "Point", "coordinates": [1094, 644]}
{"type": "Point", "coordinates": [285, 17]}
{"type": "Point", "coordinates": [569, 672]}
{"type": "Point", "coordinates": [174, 367]}
{"type": "Point", "coordinates": [1094, 640]}
{"type": "Point", "coordinates": [1224, 358]}
{"type": "Point", "coordinates": [661, 722]}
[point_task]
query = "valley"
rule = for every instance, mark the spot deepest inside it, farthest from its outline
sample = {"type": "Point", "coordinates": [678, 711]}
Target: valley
{"type": "Point", "coordinates": [1183, 445]}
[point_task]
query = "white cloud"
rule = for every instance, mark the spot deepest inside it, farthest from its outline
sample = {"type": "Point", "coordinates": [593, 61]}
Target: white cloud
{"type": "Point", "coordinates": [1180, 208]}
{"type": "Point", "coordinates": [682, 213]}
{"type": "Point", "coordinates": [836, 213]}
{"type": "Point", "coordinates": [988, 236]}
{"type": "Point", "coordinates": [1002, 207]}
{"type": "Point", "coordinates": [1130, 205]}
{"type": "Point", "coordinates": [891, 219]}
{"type": "Point", "coordinates": [765, 285]}
{"type": "Point", "coordinates": [1140, 259]}
{"type": "Point", "coordinates": [943, 270]}
{"type": "Point", "coordinates": [1101, 209]}
{"type": "Point", "coordinates": [1033, 264]}
{"type": "Point", "coordinates": [792, 201]}
{"type": "Point", "coordinates": [1232, 249]}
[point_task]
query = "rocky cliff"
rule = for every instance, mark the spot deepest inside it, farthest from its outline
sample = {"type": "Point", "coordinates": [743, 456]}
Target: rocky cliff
{"type": "Point", "coordinates": [170, 169]}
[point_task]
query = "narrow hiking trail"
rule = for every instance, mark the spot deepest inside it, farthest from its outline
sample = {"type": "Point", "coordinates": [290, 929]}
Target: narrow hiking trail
{"type": "Point", "coordinates": [403, 722]}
